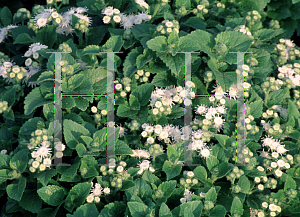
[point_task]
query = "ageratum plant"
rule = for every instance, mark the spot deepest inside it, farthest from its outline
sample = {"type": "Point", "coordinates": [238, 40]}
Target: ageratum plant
{"type": "Point", "coordinates": [151, 41]}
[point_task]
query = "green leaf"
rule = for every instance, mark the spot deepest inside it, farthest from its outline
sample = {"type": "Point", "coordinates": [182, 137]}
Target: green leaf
{"type": "Point", "coordinates": [129, 65]}
{"type": "Point", "coordinates": [197, 40]}
{"type": "Point", "coordinates": [188, 212]}
{"type": "Point", "coordinates": [175, 63]}
{"type": "Point", "coordinates": [265, 34]}
{"type": "Point", "coordinates": [67, 102]}
{"type": "Point", "coordinates": [77, 196]}
{"type": "Point", "coordinates": [159, 43]}
{"type": "Point", "coordinates": [121, 148]}
{"type": "Point", "coordinates": [143, 93]}
{"type": "Point", "coordinates": [69, 129]}
{"type": "Point", "coordinates": [200, 173]}
{"type": "Point", "coordinates": [81, 103]}
{"type": "Point", "coordinates": [86, 210]}
{"type": "Point", "coordinates": [177, 112]}
{"type": "Point", "coordinates": [31, 201]}
{"type": "Point", "coordinates": [289, 183]}
{"type": "Point", "coordinates": [195, 206]}
{"type": "Point", "coordinates": [218, 211]}
{"type": "Point", "coordinates": [138, 209]}
{"type": "Point", "coordinates": [89, 167]}
{"type": "Point", "coordinates": [4, 175]}
{"type": "Point", "coordinates": [141, 189]}
{"type": "Point", "coordinates": [172, 154]}
{"type": "Point", "coordinates": [276, 97]}
{"type": "Point", "coordinates": [221, 139]}
{"type": "Point", "coordinates": [15, 191]}
{"type": "Point", "coordinates": [33, 100]}
{"type": "Point", "coordinates": [4, 159]}
{"type": "Point", "coordinates": [52, 194]}
{"type": "Point", "coordinates": [211, 195]}
{"type": "Point", "coordinates": [212, 64]}
{"type": "Point", "coordinates": [236, 207]}
{"type": "Point", "coordinates": [183, 3]}
{"type": "Point", "coordinates": [47, 35]}
{"type": "Point", "coordinates": [144, 58]}
{"type": "Point", "coordinates": [244, 183]}
{"type": "Point", "coordinates": [23, 38]}
{"type": "Point", "coordinates": [256, 108]}
{"type": "Point", "coordinates": [19, 160]}
{"type": "Point", "coordinates": [173, 37]}
{"type": "Point", "coordinates": [134, 103]}
{"type": "Point", "coordinates": [5, 16]}
{"type": "Point", "coordinates": [293, 112]}
{"type": "Point", "coordinates": [142, 30]}
{"type": "Point", "coordinates": [171, 171]}
{"type": "Point", "coordinates": [75, 81]}
{"type": "Point", "coordinates": [70, 171]}
{"type": "Point", "coordinates": [211, 162]}
{"type": "Point", "coordinates": [45, 176]}
{"type": "Point", "coordinates": [149, 177]}
{"type": "Point", "coordinates": [235, 42]}
{"type": "Point", "coordinates": [113, 44]}
{"type": "Point", "coordinates": [195, 22]}
{"type": "Point", "coordinates": [224, 169]}
{"type": "Point", "coordinates": [9, 97]}
{"type": "Point", "coordinates": [96, 34]}
{"type": "Point", "coordinates": [167, 188]}
{"type": "Point", "coordinates": [116, 208]}
{"type": "Point", "coordinates": [164, 211]}
{"type": "Point", "coordinates": [125, 111]}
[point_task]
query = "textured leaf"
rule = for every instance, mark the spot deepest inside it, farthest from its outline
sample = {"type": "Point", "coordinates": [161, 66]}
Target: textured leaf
{"type": "Point", "coordinates": [19, 160]}
{"type": "Point", "coordinates": [244, 183]}
{"type": "Point", "coordinates": [236, 207]}
{"type": "Point", "coordinates": [137, 209]}
{"type": "Point", "coordinates": [31, 201]}
{"type": "Point", "coordinates": [47, 35]}
{"type": "Point", "coordinates": [77, 196]}
{"type": "Point", "coordinates": [23, 38]}
{"type": "Point", "coordinates": [86, 210]}
{"type": "Point", "coordinates": [143, 93]}
{"type": "Point", "coordinates": [129, 65]}
{"type": "Point", "coordinates": [170, 170]}
{"type": "Point", "coordinates": [197, 40]}
{"type": "Point", "coordinates": [15, 191]}
{"type": "Point", "coordinates": [33, 100]}
{"type": "Point", "coordinates": [113, 44]}
{"type": "Point", "coordinates": [164, 211]}
{"type": "Point", "coordinates": [51, 194]}
{"type": "Point", "coordinates": [159, 43]}
{"type": "Point", "coordinates": [173, 62]}
{"type": "Point", "coordinates": [218, 211]}
{"type": "Point", "coordinates": [5, 16]}
{"type": "Point", "coordinates": [45, 176]}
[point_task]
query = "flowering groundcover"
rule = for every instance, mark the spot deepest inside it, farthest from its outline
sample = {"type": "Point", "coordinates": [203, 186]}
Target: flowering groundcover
{"type": "Point", "coordinates": [177, 78]}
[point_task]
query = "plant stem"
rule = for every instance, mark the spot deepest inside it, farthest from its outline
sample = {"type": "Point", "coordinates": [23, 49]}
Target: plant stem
{"type": "Point", "coordinates": [80, 39]}
{"type": "Point", "coordinates": [156, 10]}
{"type": "Point", "coordinates": [266, 97]}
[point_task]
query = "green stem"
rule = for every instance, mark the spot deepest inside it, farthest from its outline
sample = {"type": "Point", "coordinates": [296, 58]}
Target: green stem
{"type": "Point", "coordinates": [80, 39]}
{"type": "Point", "coordinates": [266, 97]}
{"type": "Point", "coordinates": [156, 10]}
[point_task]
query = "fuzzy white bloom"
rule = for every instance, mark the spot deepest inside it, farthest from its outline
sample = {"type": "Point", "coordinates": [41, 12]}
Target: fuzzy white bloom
{"type": "Point", "coordinates": [47, 162]}
{"type": "Point", "coordinates": [280, 163]}
{"type": "Point", "coordinates": [205, 152]}
{"type": "Point", "coordinates": [59, 146]}
{"type": "Point", "coordinates": [108, 11]}
{"type": "Point", "coordinates": [59, 154]}
{"type": "Point", "coordinates": [138, 20]}
{"type": "Point", "coordinates": [145, 164]}
{"type": "Point", "coordinates": [150, 140]}
{"type": "Point", "coordinates": [144, 134]}
{"type": "Point", "coordinates": [106, 190]}
{"type": "Point", "coordinates": [43, 151]}
{"type": "Point", "coordinates": [163, 135]}
{"type": "Point", "coordinates": [169, 24]}
{"type": "Point", "coordinates": [278, 173]}
{"type": "Point", "coordinates": [90, 198]}
{"type": "Point", "coordinates": [35, 164]}
{"type": "Point", "coordinates": [272, 207]}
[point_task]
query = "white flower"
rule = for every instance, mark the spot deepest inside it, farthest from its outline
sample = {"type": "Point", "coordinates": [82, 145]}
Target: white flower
{"type": "Point", "coordinates": [108, 11]}
{"type": "Point", "coordinates": [145, 164]}
{"type": "Point", "coordinates": [116, 11]}
{"type": "Point", "coordinates": [196, 145]}
{"type": "Point", "coordinates": [150, 140]}
{"type": "Point", "coordinates": [106, 190]}
{"type": "Point", "coordinates": [218, 122]}
{"type": "Point", "coordinates": [163, 135]}
{"type": "Point", "coordinates": [281, 149]}
{"type": "Point", "coordinates": [94, 109]}
{"type": "Point", "coordinates": [90, 198]}
{"type": "Point", "coordinates": [106, 19]}
{"type": "Point", "coordinates": [169, 24]}
{"type": "Point", "coordinates": [144, 134]}
{"type": "Point", "coordinates": [273, 164]}
{"type": "Point", "coordinates": [41, 22]}
{"type": "Point", "coordinates": [272, 207]}
{"type": "Point", "coordinates": [278, 173]}
{"type": "Point", "coordinates": [28, 62]}
{"type": "Point", "coordinates": [187, 102]}
{"type": "Point", "coordinates": [247, 85]}
{"type": "Point", "coordinates": [201, 109]}
{"type": "Point", "coordinates": [35, 164]}
{"type": "Point", "coordinates": [43, 151]}
{"type": "Point", "coordinates": [127, 24]}
{"type": "Point", "coordinates": [264, 205]}
{"type": "Point", "coordinates": [205, 152]}
{"type": "Point", "coordinates": [158, 104]}
{"type": "Point", "coordinates": [59, 147]}
{"type": "Point", "coordinates": [138, 20]}
{"type": "Point", "coordinates": [28, 53]}
{"type": "Point", "coordinates": [117, 19]}
{"type": "Point", "coordinates": [59, 154]}
{"type": "Point", "coordinates": [280, 163]}
{"type": "Point", "coordinates": [118, 86]}
{"type": "Point", "coordinates": [47, 162]}
{"type": "Point", "coordinates": [97, 191]}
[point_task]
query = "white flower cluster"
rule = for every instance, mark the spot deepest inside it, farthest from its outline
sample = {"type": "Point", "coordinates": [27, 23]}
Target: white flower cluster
{"type": "Point", "coordinates": [145, 165]}
{"type": "Point", "coordinates": [210, 116]}
{"type": "Point", "coordinates": [171, 95]}
{"type": "Point", "coordinates": [126, 21]}
{"type": "Point", "coordinates": [9, 71]}
{"type": "Point", "coordinates": [292, 72]}
{"type": "Point", "coordinates": [168, 26]}
{"type": "Point", "coordinates": [41, 152]}
{"type": "Point", "coordinates": [4, 32]}
{"type": "Point", "coordinates": [96, 192]}
{"type": "Point", "coordinates": [283, 111]}
{"type": "Point", "coordinates": [32, 66]}
{"type": "Point", "coordinates": [140, 153]}
{"type": "Point", "coordinates": [187, 196]}
{"type": "Point", "coordinates": [274, 145]}
{"type": "Point", "coordinates": [245, 30]}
